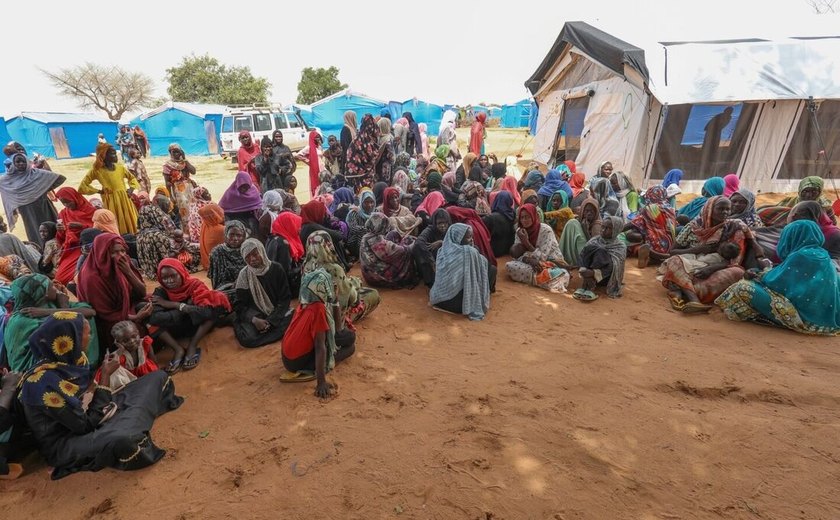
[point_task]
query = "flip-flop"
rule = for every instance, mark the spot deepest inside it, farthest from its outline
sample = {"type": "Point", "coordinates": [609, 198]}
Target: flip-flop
{"type": "Point", "coordinates": [696, 308]}
{"type": "Point", "coordinates": [190, 362]}
{"type": "Point", "coordinates": [174, 366]}
{"type": "Point", "coordinates": [15, 471]}
{"type": "Point", "coordinates": [678, 304]}
{"type": "Point", "coordinates": [296, 377]}
{"type": "Point", "coordinates": [584, 295]}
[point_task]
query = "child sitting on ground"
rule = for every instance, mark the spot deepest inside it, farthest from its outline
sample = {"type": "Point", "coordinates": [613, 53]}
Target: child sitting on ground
{"type": "Point", "coordinates": [137, 358]}
{"type": "Point", "coordinates": [52, 251]}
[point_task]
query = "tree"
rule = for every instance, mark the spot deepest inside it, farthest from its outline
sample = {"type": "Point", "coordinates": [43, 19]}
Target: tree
{"type": "Point", "coordinates": [111, 89]}
{"type": "Point", "coordinates": [823, 6]}
{"type": "Point", "coordinates": [202, 79]}
{"type": "Point", "coordinates": [317, 84]}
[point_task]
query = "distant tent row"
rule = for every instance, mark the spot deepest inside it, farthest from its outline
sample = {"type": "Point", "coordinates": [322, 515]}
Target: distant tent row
{"type": "Point", "coordinates": [517, 115]}
{"type": "Point", "coordinates": [60, 135]}
{"type": "Point", "coordinates": [194, 126]}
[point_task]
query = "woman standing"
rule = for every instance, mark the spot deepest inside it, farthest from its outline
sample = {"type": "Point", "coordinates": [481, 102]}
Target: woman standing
{"type": "Point", "coordinates": [415, 139]}
{"type": "Point", "coordinates": [176, 173]}
{"type": "Point", "coordinates": [201, 197]}
{"type": "Point", "coordinates": [313, 156]}
{"type": "Point", "coordinates": [24, 192]}
{"type": "Point", "coordinates": [76, 216]}
{"type": "Point", "coordinates": [242, 202]}
{"type": "Point", "coordinates": [447, 135]}
{"type": "Point", "coordinates": [348, 133]}
{"type": "Point", "coordinates": [537, 257]}
{"type": "Point", "coordinates": [478, 133]}
{"type": "Point", "coordinates": [248, 150]}
{"type": "Point", "coordinates": [362, 154]}
{"type": "Point", "coordinates": [113, 177]}
{"type": "Point", "coordinates": [462, 284]}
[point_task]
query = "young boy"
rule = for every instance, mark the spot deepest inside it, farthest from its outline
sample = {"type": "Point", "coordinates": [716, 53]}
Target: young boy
{"type": "Point", "coordinates": [139, 170]}
{"type": "Point", "coordinates": [52, 251]}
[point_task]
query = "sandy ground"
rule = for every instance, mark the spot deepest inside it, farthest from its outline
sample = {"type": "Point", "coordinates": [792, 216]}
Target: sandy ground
{"type": "Point", "coordinates": [548, 409]}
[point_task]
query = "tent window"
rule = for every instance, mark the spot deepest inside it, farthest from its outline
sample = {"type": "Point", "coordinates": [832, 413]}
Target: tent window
{"type": "Point", "coordinates": [567, 145]}
{"type": "Point", "coordinates": [227, 124]}
{"type": "Point", "coordinates": [243, 123]}
{"type": "Point", "coordinates": [703, 140]}
{"type": "Point", "coordinates": [280, 122]}
{"type": "Point", "coordinates": [803, 157]}
{"type": "Point", "coordinates": [262, 122]}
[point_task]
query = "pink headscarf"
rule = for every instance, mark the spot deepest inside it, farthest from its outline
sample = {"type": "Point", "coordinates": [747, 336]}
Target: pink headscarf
{"type": "Point", "coordinates": [402, 121]}
{"type": "Point", "coordinates": [732, 184]}
{"type": "Point", "coordinates": [431, 203]}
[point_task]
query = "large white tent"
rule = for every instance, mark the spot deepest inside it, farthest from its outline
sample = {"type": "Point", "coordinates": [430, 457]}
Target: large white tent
{"type": "Point", "coordinates": [706, 107]}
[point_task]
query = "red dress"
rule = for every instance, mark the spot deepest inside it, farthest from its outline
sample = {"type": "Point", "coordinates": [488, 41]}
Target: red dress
{"type": "Point", "coordinates": [244, 158]}
{"type": "Point", "coordinates": [147, 367]}
{"type": "Point", "coordinates": [307, 322]}
{"type": "Point", "coordinates": [68, 239]}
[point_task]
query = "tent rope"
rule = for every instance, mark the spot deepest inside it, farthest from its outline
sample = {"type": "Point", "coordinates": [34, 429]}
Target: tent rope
{"type": "Point", "coordinates": [812, 108]}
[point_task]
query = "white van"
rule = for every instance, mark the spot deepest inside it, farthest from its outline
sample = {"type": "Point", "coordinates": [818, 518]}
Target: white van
{"type": "Point", "coordinates": [262, 121]}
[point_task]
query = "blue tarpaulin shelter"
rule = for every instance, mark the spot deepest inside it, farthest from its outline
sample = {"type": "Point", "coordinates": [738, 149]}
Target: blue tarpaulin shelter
{"type": "Point", "coordinates": [4, 133]}
{"type": "Point", "coordinates": [328, 113]}
{"type": "Point", "coordinates": [194, 126]}
{"type": "Point", "coordinates": [516, 115]}
{"type": "Point", "coordinates": [424, 112]}
{"type": "Point", "coordinates": [60, 135]}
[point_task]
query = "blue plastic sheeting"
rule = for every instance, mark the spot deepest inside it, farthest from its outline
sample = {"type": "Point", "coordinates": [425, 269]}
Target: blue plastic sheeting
{"type": "Point", "coordinates": [532, 121]}
{"type": "Point", "coordinates": [4, 133]}
{"type": "Point", "coordinates": [307, 116]}
{"type": "Point", "coordinates": [517, 115]}
{"type": "Point", "coordinates": [329, 116]}
{"type": "Point", "coordinates": [176, 126]}
{"type": "Point", "coordinates": [82, 138]}
{"type": "Point", "coordinates": [395, 108]}
{"type": "Point", "coordinates": [424, 112]}
{"type": "Point", "coordinates": [695, 127]}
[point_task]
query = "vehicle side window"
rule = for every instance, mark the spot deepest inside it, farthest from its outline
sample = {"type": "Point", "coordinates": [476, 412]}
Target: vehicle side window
{"type": "Point", "coordinates": [280, 122]}
{"type": "Point", "coordinates": [227, 124]}
{"type": "Point", "coordinates": [243, 123]}
{"type": "Point", "coordinates": [293, 121]}
{"type": "Point", "coordinates": [262, 122]}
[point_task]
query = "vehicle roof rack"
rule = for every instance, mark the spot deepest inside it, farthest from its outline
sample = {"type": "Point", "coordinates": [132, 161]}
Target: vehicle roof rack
{"type": "Point", "coordinates": [258, 107]}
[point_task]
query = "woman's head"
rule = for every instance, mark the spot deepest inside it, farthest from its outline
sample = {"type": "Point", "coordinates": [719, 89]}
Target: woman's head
{"type": "Point", "coordinates": [62, 338]}
{"type": "Point", "coordinates": [254, 254]}
{"type": "Point", "coordinates": [266, 146]}
{"type": "Point", "coordinates": [176, 153]}
{"type": "Point", "coordinates": [807, 210]}
{"type": "Point", "coordinates": [441, 220]}
{"type": "Point", "coordinates": [272, 201]}
{"type": "Point", "coordinates": [713, 186]}
{"type": "Point", "coordinates": [234, 234]}
{"type": "Point", "coordinates": [589, 210]}
{"type": "Point", "coordinates": [810, 188]}
{"type": "Point", "coordinates": [368, 202]}
{"type": "Point", "coordinates": [277, 137]}
{"type": "Point", "coordinates": [291, 183]}
{"type": "Point", "coordinates": [605, 169]}
{"type": "Point", "coordinates": [559, 200]}
{"type": "Point", "coordinates": [377, 224]}
{"type": "Point", "coordinates": [32, 290]}
{"type": "Point", "coordinates": [47, 231]}
{"type": "Point", "coordinates": [717, 210]}
{"type": "Point", "coordinates": [799, 235]}
{"type": "Point", "coordinates": [483, 161]}
{"type": "Point", "coordinates": [163, 202]}
{"type": "Point", "coordinates": [498, 170]}
{"type": "Point", "coordinates": [170, 278]}
{"type": "Point", "coordinates": [530, 197]}
{"type": "Point", "coordinates": [19, 161]}
{"type": "Point", "coordinates": [739, 203]}
{"type": "Point", "coordinates": [528, 216]}
{"type": "Point", "coordinates": [608, 229]}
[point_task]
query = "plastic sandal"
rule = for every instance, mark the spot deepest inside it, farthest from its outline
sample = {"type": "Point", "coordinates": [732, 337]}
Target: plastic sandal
{"type": "Point", "coordinates": [191, 362]}
{"type": "Point", "coordinates": [296, 377]}
{"type": "Point", "coordinates": [696, 308]}
{"type": "Point", "coordinates": [174, 366]}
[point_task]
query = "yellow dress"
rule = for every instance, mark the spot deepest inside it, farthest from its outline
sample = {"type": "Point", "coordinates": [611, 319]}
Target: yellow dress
{"type": "Point", "coordinates": [115, 194]}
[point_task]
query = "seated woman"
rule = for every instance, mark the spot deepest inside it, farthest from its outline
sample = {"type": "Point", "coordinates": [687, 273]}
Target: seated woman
{"type": "Point", "coordinates": [285, 248]}
{"type": "Point", "coordinates": [314, 217]}
{"type": "Point", "coordinates": [135, 355]}
{"type": "Point", "coordinates": [608, 204]}
{"type": "Point", "coordinates": [316, 338]}
{"type": "Point", "coordinates": [272, 206]}
{"type": "Point", "coordinates": [801, 294]}
{"type": "Point", "coordinates": [626, 193]}
{"type": "Point", "coordinates": [481, 235]}
{"type": "Point", "coordinates": [356, 219]}
{"type": "Point", "coordinates": [428, 244]}
{"type": "Point", "coordinates": [399, 216]}
{"type": "Point", "coordinates": [110, 284]}
{"type": "Point", "coordinates": [51, 256]}
{"type": "Point", "coordinates": [185, 251]}
{"type": "Point", "coordinates": [694, 281]}
{"type": "Point", "coordinates": [743, 208]}
{"type": "Point", "coordinates": [343, 201]}
{"type": "Point", "coordinates": [427, 207]}
{"type": "Point", "coordinates": [242, 202]}
{"type": "Point", "coordinates": [810, 189]}
{"type": "Point", "coordinates": [577, 232]}
{"type": "Point", "coordinates": [81, 426]}
{"type": "Point", "coordinates": [473, 195]}
{"type": "Point", "coordinates": [212, 230]}
{"type": "Point", "coordinates": [184, 307]}
{"type": "Point", "coordinates": [76, 216]}
{"type": "Point", "coordinates": [651, 233]}
{"type": "Point", "coordinates": [11, 245]}
{"type": "Point", "coordinates": [713, 187]}
{"type": "Point", "coordinates": [356, 301]}
{"type": "Point", "coordinates": [462, 285]}
{"type": "Point", "coordinates": [14, 439]}
{"type": "Point", "coordinates": [106, 221]}
{"type": "Point", "coordinates": [386, 263]}
{"type": "Point", "coordinates": [155, 229]}
{"type": "Point", "coordinates": [499, 224]}
{"type": "Point", "coordinates": [537, 257]}
{"type": "Point", "coordinates": [811, 210]}
{"type": "Point", "coordinates": [579, 191]}
{"type": "Point", "coordinates": [36, 298]}
{"type": "Point", "coordinates": [557, 213]}
{"type": "Point", "coordinates": [262, 298]}
{"type": "Point", "coordinates": [555, 180]}
{"type": "Point", "coordinates": [602, 262]}
{"type": "Point", "coordinates": [226, 260]}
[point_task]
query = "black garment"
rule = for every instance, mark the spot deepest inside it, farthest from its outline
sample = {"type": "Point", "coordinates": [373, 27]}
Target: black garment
{"type": "Point", "coordinates": [20, 441]}
{"type": "Point", "coordinates": [248, 218]}
{"type": "Point", "coordinates": [338, 241]}
{"type": "Point", "coordinates": [72, 440]}
{"type": "Point", "coordinates": [502, 234]}
{"type": "Point", "coordinates": [181, 324]}
{"type": "Point", "coordinates": [578, 200]}
{"type": "Point", "coordinates": [225, 264]}
{"type": "Point", "coordinates": [284, 155]}
{"type": "Point", "coordinates": [277, 249]}
{"type": "Point", "coordinates": [596, 257]}
{"type": "Point", "coordinates": [268, 169]}
{"type": "Point", "coordinates": [276, 286]}
{"type": "Point", "coordinates": [33, 214]}
{"type": "Point", "coordinates": [456, 303]}
{"type": "Point", "coordinates": [424, 257]}
{"type": "Point", "coordinates": [460, 177]}
{"type": "Point", "coordinates": [345, 342]}
{"type": "Point", "coordinates": [344, 139]}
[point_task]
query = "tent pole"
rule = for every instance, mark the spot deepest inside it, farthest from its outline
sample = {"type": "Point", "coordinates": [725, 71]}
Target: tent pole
{"type": "Point", "coordinates": [812, 108]}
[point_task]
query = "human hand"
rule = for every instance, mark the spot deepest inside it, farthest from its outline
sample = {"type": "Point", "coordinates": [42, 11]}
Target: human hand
{"type": "Point", "coordinates": [110, 365]}
{"type": "Point", "coordinates": [144, 313]}
{"type": "Point", "coordinates": [124, 264]}
{"type": "Point", "coordinates": [324, 390]}
{"type": "Point", "coordinates": [522, 235]}
{"type": "Point", "coordinates": [434, 246]}
{"type": "Point", "coordinates": [705, 272]}
{"type": "Point", "coordinates": [10, 380]}
{"type": "Point", "coordinates": [34, 312]}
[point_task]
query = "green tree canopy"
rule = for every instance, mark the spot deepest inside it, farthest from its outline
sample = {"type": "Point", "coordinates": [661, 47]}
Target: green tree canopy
{"type": "Point", "coordinates": [318, 83]}
{"type": "Point", "coordinates": [202, 79]}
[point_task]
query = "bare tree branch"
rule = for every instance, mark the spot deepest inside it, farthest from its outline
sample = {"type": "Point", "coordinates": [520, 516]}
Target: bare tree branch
{"type": "Point", "coordinates": [110, 89]}
{"type": "Point", "coordinates": [823, 6]}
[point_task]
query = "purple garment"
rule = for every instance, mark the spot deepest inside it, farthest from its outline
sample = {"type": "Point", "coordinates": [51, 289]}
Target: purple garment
{"type": "Point", "coordinates": [235, 202]}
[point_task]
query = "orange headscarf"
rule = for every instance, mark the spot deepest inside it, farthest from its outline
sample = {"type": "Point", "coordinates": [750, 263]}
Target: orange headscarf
{"type": "Point", "coordinates": [212, 230]}
{"type": "Point", "coordinates": [105, 220]}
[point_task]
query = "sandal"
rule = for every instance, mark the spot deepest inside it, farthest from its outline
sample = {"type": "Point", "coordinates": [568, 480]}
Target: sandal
{"type": "Point", "coordinates": [678, 304]}
{"type": "Point", "coordinates": [174, 366]}
{"type": "Point", "coordinates": [296, 377]}
{"type": "Point", "coordinates": [584, 295]}
{"type": "Point", "coordinates": [696, 308]}
{"type": "Point", "coordinates": [15, 470]}
{"type": "Point", "coordinates": [190, 362]}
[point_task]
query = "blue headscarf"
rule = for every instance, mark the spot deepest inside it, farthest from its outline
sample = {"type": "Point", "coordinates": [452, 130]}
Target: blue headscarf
{"type": "Point", "coordinates": [342, 196]}
{"type": "Point", "coordinates": [554, 181]}
{"type": "Point", "coordinates": [806, 276]}
{"type": "Point", "coordinates": [503, 204]}
{"type": "Point", "coordinates": [461, 270]}
{"type": "Point", "coordinates": [534, 180]}
{"type": "Point", "coordinates": [711, 188]}
{"type": "Point", "coordinates": [672, 177]}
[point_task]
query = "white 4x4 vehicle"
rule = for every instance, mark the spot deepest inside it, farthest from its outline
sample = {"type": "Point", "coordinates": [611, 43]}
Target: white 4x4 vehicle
{"type": "Point", "coordinates": [262, 121]}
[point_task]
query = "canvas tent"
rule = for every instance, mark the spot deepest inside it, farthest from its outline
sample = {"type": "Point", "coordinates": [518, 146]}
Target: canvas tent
{"type": "Point", "coordinates": [60, 135]}
{"type": "Point", "coordinates": [706, 107]}
{"type": "Point", "coordinates": [4, 133]}
{"type": "Point", "coordinates": [194, 126]}
{"type": "Point", "coordinates": [328, 113]}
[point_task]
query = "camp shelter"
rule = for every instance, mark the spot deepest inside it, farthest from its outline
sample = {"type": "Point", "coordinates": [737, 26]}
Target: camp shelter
{"type": "Point", "coordinates": [60, 135]}
{"type": "Point", "coordinates": [706, 107]}
{"type": "Point", "coordinates": [328, 113]}
{"type": "Point", "coordinates": [194, 126]}
{"type": "Point", "coordinates": [4, 133]}
{"type": "Point", "coordinates": [424, 112]}
{"type": "Point", "coordinates": [516, 115]}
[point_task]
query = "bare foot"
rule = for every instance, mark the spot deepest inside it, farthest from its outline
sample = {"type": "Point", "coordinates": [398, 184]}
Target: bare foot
{"type": "Point", "coordinates": [644, 256]}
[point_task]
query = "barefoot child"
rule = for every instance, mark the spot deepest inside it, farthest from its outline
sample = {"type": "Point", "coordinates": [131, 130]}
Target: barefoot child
{"type": "Point", "coordinates": [136, 356]}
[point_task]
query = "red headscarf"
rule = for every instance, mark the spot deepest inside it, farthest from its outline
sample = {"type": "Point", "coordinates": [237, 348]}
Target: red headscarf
{"type": "Point", "coordinates": [571, 165]}
{"type": "Point", "coordinates": [577, 182]}
{"type": "Point", "coordinates": [534, 230]}
{"type": "Point", "coordinates": [245, 159]}
{"type": "Point", "coordinates": [481, 235]}
{"type": "Point", "coordinates": [477, 134]}
{"type": "Point", "coordinates": [287, 225]}
{"type": "Point", "coordinates": [314, 163]}
{"type": "Point", "coordinates": [509, 185]}
{"type": "Point", "coordinates": [386, 198]}
{"type": "Point", "coordinates": [731, 184]}
{"type": "Point", "coordinates": [191, 288]}
{"type": "Point", "coordinates": [69, 238]}
{"type": "Point", "coordinates": [313, 212]}
{"type": "Point", "coordinates": [83, 213]}
{"type": "Point", "coordinates": [102, 284]}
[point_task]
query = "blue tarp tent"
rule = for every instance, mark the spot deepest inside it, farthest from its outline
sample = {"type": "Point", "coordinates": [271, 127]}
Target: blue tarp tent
{"type": "Point", "coordinates": [517, 115]}
{"type": "Point", "coordinates": [305, 113]}
{"type": "Point", "coordinates": [532, 119]}
{"type": "Point", "coordinates": [328, 113]}
{"type": "Point", "coordinates": [60, 135]}
{"type": "Point", "coordinates": [424, 112]}
{"type": "Point", "coordinates": [194, 126]}
{"type": "Point", "coordinates": [4, 133]}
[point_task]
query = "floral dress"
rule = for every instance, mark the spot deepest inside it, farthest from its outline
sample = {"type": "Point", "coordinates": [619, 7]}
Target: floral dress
{"type": "Point", "coordinates": [551, 277]}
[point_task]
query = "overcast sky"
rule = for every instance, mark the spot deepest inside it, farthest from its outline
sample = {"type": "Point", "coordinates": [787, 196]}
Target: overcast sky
{"type": "Point", "coordinates": [440, 51]}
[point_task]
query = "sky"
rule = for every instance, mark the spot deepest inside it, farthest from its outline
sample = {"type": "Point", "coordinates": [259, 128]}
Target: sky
{"type": "Point", "coordinates": [440, 51]}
